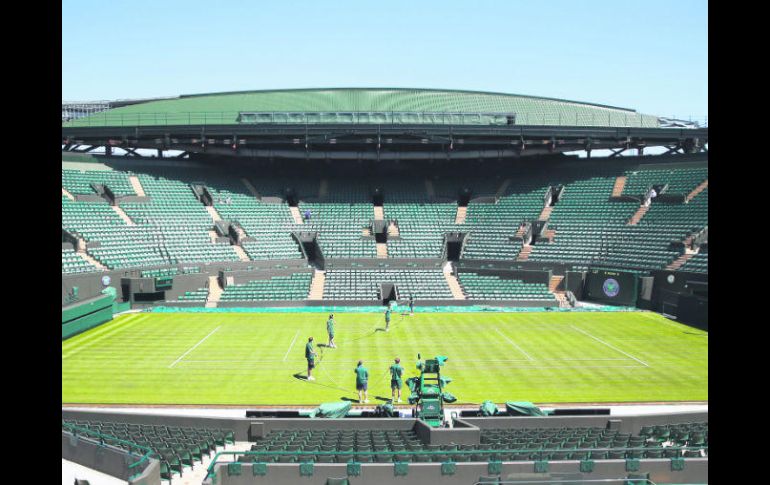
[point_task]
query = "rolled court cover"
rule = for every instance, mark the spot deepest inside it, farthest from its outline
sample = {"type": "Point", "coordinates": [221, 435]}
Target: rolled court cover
{"type": "Point", "coordinates": [332, 410]}
{"type": "Point", "coordinates": [523, 408]}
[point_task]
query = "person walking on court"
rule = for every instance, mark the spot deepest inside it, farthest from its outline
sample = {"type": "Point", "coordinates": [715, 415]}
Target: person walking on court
{"type": "Point", "coordinates": [411, 304]}
{"type": "Point", "coordinates": [330, 331]}
{"type": "Point", "coordinates": [396, 371]}
{"type": "Point", "coordinates": [362, 382]}
{"type": "Point", "coordinates": [387, 318]}
{"type": "Point", "coordinates": [310, 356]}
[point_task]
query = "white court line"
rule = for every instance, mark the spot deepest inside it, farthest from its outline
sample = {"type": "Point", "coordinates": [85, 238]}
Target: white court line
{"type": "Point", "coordinates": [514, 344]}
{"type": "Point", "coordinates": [291, 345]}
{"type": "Point", "coordinates": [610, 346]}
{"type": "Point", "coordinates": [194, 346]}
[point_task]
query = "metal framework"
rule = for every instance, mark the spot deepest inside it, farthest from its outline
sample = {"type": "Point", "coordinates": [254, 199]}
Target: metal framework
{"type": "Point", "coordinates": [383, 141]}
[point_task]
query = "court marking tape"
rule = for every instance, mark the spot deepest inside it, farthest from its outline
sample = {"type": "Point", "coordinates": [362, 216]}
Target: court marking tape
{"type": "Point", "coordinates": [194, 347]}
{"type": "Point", "coordinates": [529, 357]}
{"type": "Point", "coordinates": [610, 346]}
{"type": "Point", "coordinates": [291, 345]}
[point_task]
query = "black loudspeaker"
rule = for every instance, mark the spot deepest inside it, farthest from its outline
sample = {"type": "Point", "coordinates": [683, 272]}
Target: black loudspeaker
{"type": "Point", "coordinates": [645, 291]}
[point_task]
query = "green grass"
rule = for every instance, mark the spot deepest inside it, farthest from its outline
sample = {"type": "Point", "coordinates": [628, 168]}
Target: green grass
{"type": "Point", "coordinates": [249, 358]}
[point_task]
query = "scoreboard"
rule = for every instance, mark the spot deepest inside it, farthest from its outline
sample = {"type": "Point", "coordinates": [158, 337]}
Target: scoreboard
{"type": "Point", "coordinates": [612, 287]}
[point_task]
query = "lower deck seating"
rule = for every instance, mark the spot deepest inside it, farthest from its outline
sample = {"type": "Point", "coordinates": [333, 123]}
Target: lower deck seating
{"type": "Point", "coordinates": [699, 263]}
{"type": "Point", "coordinates": [277, 288]}
{"type": "Point", "coordinates": [176, 447]}
{"type": "Point", "coordinates": [490, 287]}
{"type": "Point", "coordinates": [72, 263]}
{"type": "Point", "coordinates": [364, 285]}
{"type": "Point", "coordinates": [527, 444]}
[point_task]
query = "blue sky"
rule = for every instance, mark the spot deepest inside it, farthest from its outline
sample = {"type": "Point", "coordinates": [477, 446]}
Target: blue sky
{"type": "Point", "coordinates": [651, 56]}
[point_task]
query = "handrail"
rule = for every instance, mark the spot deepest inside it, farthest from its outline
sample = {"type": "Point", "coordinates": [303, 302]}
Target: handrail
{"type": "Point", "coordinates": [540, 451]}
{"type": "Point", "coordinates": [148, 452]}
{"type": "Point", "coordinates": [235, 117]}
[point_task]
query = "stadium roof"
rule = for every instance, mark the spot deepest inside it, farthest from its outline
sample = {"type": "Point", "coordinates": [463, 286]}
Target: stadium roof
{"type": "Point", "coordinates": [365, 105]}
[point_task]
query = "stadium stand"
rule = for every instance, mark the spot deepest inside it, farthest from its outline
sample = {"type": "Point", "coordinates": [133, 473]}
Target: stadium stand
{"type": "Point", "coordinates": [177, 448]}
{"type": "Point", "coordinates": [71, 262]}
{"type": "Point", "coordinates": [293, 287]}
{"type": "Point", "coordinates": [482, 287]}
{"type": "Point", "coordinates": [365, 285]}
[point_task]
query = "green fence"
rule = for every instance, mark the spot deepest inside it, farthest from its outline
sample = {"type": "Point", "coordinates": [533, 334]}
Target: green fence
{"type": "Point", "coordinates": [82, 316]}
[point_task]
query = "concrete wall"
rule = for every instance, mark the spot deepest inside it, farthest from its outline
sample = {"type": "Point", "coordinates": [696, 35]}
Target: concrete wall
{"type": "Point", "coordinates": [696, 471]}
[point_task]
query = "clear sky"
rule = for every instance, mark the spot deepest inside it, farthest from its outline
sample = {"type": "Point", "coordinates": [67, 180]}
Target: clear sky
{"type": "Point", "coordinates": [651, 56]}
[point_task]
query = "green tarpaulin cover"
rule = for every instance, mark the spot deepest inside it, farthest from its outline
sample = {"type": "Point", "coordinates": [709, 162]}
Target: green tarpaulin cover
{"type": "Point", "coordinates": [523, 408]}
{"type": "Point", "coordinates": [488, 408]}
{"type": "Point", "coordinates": [448, 397]}
{"type": "Point", "coordinates": [332, 410]}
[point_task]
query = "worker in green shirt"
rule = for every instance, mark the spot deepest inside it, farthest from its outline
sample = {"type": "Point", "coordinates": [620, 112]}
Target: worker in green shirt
{"type": "Point", "coordinates": [310, 356]}
{"type": "Point", "coordinates": [396, 371]}
{"type": "Point", "coordinates": [330, 331]}
{"type": "Point", "coordinates": [362, 382]}
{"type": "Point", "coordinates": [387, 318]}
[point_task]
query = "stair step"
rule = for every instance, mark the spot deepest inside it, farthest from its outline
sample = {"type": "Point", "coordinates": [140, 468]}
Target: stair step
{"type": "Point", "coordinates": [122, 214]}
{"type": "Point", "coordinates": [697, 190]}
{"type": "Point", "coordinates": [454, 285]}
{"type": "Point", "coordinates": [462, 212]}
{"type": "Point", "coordinates": [296, 215]}
{"type": "Point", "coordinates": [241, 253]}
{"type": "Point", "coordinates": [136, 185]}
{"type": "Point", "coordinates": [620, 184]}
{"type": "Point", "coordinates": [213, 213]}
{"type": "Point", "coordinates": [382, 250]}
{"type": "Point", "coordinates": [317, 285]}
{"type": "Point", "coordinates": [215, 292]}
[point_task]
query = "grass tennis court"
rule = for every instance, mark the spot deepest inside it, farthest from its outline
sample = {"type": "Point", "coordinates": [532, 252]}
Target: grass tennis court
{"type": "Point", "coordinates": [251, 358]}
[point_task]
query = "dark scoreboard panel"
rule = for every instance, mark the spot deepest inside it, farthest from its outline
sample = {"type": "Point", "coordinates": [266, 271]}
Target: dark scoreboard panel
{"type": "Point", "coordinates": [612, 287]}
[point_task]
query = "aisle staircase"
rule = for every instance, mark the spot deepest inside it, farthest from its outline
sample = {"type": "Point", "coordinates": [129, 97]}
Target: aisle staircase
{"type": "Point", "coordinates": [136, 185]}
{"type": "Point", "coordinates": [122, 214]}
{"type": "Point", "coordinates": [215, 292]}
{"type": "Point", "coordinates": [462, 212]}
{"type": "Point", "coordinates": [296, 215]}
{"type": "Point", "coordinates": [87, 257]}
{"type": "Point", "coordinates": [241, 253]}
{"type": "Point", "coordinates": [524, 253]}
{"type": "Point", "coordinates": [379, 213]}
{"type": "Point", "coordinates": [317, 285]}
{"type": "Point", "coordinates": [620, 184]}
{"type": "Point", "coordinates": [213, 213]}
{"type": "Point", "coordinates": [678, 262]}
{"type": "Point", "coordinates": [640, 212]}
{"type": "Point", "coordinates": [382, 250]}
{"type": "Point", "coordinates": [545, 213]}
{"type": "Point", "coordinates": [560, 294]}
{"type": "Point", "coordinates": [454, 285]}
{"type": "Point", "coordinates": [697, 190]}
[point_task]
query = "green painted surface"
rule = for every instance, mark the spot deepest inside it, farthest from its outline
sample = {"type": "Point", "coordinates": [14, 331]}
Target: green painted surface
{"type": "Point", "coordinates": [251, 359]}
{"type": "Point", "coordinates": [223, 108]}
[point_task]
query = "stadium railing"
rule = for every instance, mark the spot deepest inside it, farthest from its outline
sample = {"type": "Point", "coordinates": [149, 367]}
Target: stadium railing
{"type": "Point", "coordinates": [142, 453]}
{"type": "Point", "coordinates": [541, 454]}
